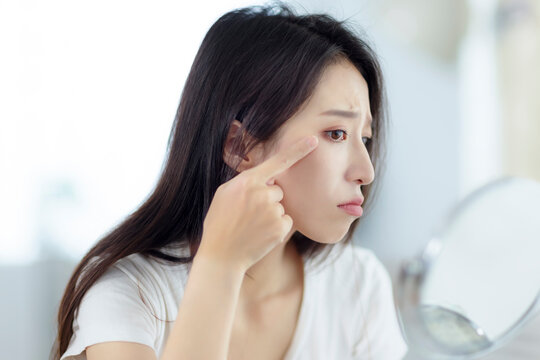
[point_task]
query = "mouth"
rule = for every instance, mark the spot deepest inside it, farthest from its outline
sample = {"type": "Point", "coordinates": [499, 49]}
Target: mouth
{"type": "Point", "coordinates": [352, 209]}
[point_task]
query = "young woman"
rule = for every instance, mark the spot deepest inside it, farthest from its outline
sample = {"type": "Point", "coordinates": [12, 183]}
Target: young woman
{"type": "Point", "coordinates": [280, 123]}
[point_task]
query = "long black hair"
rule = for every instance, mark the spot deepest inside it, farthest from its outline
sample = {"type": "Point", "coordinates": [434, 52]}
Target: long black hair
{"type": "Point", "coordinates": [259, 65]}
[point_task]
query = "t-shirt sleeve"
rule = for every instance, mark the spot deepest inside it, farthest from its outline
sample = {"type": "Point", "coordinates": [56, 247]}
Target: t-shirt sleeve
{"type": "Point", "coordinates": [379, 336]}
{"type": "Point", "coordinates": [111, 310]}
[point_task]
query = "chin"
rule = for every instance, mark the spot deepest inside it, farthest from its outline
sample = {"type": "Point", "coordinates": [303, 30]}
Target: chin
{"type": "Point", "coordinates": [326, 237]}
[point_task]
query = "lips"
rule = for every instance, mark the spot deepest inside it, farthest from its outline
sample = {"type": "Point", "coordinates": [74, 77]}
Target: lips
{"type": "Point", "coordinates": [352, 209]}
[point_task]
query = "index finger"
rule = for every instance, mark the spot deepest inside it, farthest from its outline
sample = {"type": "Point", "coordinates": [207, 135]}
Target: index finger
{"type": "Point", "coordinates": [286, 158]}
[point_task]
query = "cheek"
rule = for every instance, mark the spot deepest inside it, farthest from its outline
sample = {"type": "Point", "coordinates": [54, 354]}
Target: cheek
{"type": "Point", "coordinates": [309, 176]}
{"type": "Point", "coordinates": [310, 196]}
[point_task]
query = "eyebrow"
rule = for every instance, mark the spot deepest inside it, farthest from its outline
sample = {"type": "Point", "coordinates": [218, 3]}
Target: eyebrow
{"type": "Point", "coordinates": [345, 114]}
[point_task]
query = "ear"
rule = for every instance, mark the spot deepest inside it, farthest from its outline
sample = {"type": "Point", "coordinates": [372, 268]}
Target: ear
{"type": "Point", "coordinates": [236, 157]}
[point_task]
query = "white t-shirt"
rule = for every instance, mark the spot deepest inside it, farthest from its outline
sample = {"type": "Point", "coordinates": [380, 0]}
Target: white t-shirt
{"type": "Point", "coordinates": [347, 309]}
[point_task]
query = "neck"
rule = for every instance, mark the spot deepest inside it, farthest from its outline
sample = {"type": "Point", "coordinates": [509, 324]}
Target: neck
{"type": "Point", "coordinates": [275, 274]}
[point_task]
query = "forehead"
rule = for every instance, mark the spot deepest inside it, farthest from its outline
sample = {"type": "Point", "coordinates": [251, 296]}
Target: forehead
{"type": "Point", "coordinates": [343, 87]}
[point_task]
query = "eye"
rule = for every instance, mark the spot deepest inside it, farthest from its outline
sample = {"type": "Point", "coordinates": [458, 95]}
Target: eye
{"type": "Point", "coordinates": [334, 132]}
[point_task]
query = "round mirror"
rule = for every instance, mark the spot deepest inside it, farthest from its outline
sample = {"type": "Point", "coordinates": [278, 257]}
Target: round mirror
{"type": "Point", "coordinates": [478, 279]}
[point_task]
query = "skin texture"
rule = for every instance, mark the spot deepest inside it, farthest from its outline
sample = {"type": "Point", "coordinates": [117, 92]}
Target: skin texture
{"type": "Point", "coordinates": [313, 187]}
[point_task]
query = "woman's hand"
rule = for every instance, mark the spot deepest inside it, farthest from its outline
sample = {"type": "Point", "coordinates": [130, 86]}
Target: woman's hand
{"type": "Point", "coordinates": [246, 220]}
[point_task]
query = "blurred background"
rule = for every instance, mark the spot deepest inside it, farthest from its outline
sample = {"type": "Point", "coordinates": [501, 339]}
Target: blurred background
{"type": "Point", "coordinates": [89, 90]}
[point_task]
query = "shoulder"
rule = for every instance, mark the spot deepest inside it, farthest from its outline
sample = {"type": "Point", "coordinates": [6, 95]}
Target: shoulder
{"type": "Point", "coordinates": [112, 309]}
{"type": "Point", "coordinates": [153, 277]}
{"type": "Point", "coordinates": [132, 301]}
{"type": "Point", "coordinates": [125, 289]}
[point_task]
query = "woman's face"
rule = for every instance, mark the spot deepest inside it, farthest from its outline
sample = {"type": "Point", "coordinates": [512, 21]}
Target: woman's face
{"type": "Point", "coordinates": [333, 173]}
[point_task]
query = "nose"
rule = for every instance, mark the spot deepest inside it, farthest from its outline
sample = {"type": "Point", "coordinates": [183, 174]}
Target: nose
{"type": "Point", "coordinates": [361, 168]}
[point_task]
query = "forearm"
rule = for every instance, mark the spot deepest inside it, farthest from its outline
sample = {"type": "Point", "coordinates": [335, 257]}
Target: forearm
{"type": "Point", "coordinates": [203, 327]}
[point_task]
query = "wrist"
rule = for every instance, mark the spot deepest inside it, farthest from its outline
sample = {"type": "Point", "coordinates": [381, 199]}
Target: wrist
{"type": "Point", "coordinates": [219, 263]}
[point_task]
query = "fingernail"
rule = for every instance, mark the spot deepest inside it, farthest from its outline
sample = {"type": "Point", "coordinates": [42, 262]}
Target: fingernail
{"type": "Point", "coordinates": [311, 141]}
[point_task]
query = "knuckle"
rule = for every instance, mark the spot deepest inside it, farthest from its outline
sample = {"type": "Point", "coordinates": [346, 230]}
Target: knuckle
{"type": "Point", "coordinates": [287, 222]}
{"type": "Point", "coordinates": [280, 192]}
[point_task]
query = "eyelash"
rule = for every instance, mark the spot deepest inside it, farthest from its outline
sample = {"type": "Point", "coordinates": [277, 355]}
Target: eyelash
{"type": "Point", "coordinates": [331, 131]}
